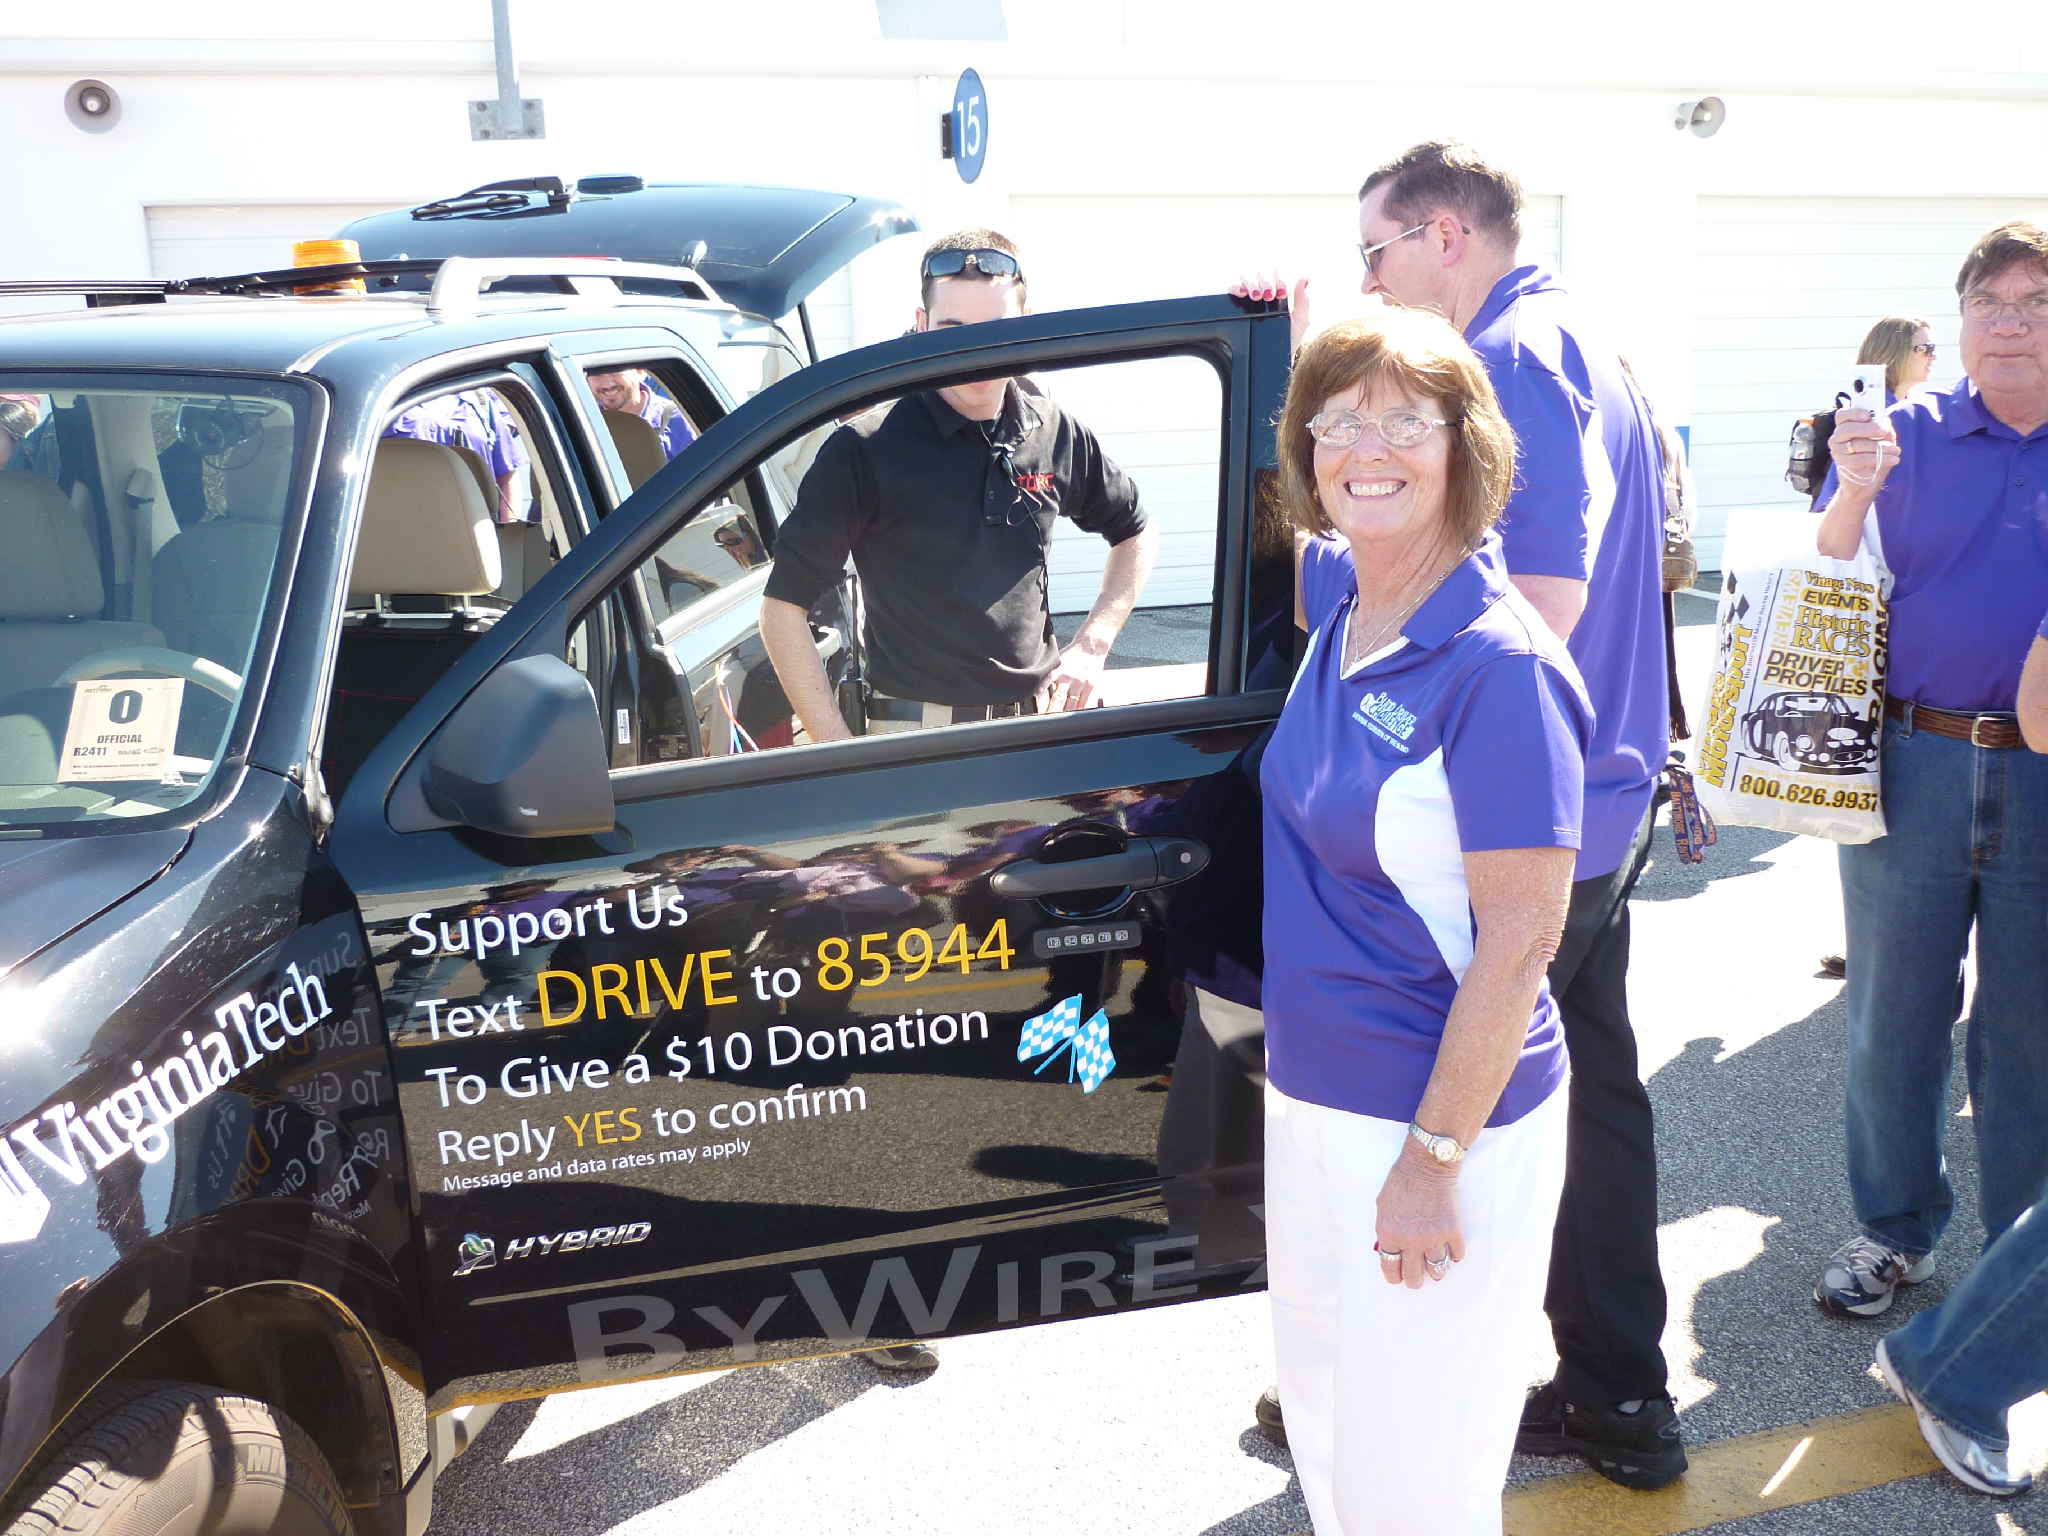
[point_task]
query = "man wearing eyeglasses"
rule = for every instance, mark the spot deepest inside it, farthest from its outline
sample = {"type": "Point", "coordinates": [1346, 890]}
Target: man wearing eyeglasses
{"type": "Point", "coordinates": [945, 502]}
{"type": "Point", "coordinates": [1958, 482]}
{"type": "Point", "coordinates": [1583, 539]}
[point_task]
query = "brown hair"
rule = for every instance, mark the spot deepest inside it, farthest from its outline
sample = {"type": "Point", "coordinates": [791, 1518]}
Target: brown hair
{"type": "Point", "coordinates": [1418, 353]}
{"type": "Point", "coordinates": [971, 240]}
{"type": "Point", "coordinates": [1445, 174]}
{"type": "Point", "coordinates": [17, 418]}
{"type": "Point", "coordinates": [2009, 245]}
{"type": "Point", "coordinates": [1891, 342]}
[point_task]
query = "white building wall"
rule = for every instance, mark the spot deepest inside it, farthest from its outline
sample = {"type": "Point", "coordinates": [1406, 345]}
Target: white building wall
{"type": "Point", "coordinates": [1128, 100]}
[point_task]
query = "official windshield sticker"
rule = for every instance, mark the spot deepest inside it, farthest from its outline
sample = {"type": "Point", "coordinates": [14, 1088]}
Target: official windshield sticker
{"type": "Point", "coordinates": [121, 728]}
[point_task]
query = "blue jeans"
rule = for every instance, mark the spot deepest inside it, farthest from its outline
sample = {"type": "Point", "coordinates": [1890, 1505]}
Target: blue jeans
{"type": "Point", "coordinates": [1967, 843]}
{"type": "Point", "coordinates": [1986, 1346]}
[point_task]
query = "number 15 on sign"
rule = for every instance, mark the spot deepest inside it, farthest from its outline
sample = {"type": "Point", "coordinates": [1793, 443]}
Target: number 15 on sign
{"type": "Point", "coordinates": [969, 125]}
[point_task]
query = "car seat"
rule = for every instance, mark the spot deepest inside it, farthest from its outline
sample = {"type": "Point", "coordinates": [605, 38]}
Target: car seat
{"type": "Point", "coordinates": [427, 531]}
{"type": "Point", "coordinates": [639, 446]}
{"type": "Point", "coordinates": [210, 581]}
{"type": "Point", "coordinates": [51, 596]}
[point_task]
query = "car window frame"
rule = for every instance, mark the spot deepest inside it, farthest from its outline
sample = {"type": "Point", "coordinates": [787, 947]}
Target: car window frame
{"type": "Point", "coordinates": [520, 362]}
{"type": "Point", "coordinates": [1251, 347]}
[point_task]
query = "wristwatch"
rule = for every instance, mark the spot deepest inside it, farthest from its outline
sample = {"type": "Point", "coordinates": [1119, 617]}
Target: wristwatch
{"type": "Point", "coordinates": [1445, 1149]}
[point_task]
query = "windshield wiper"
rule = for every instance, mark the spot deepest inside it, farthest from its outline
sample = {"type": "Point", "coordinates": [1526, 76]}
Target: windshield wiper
{"type": "Point", "coordinates": [500, 197]}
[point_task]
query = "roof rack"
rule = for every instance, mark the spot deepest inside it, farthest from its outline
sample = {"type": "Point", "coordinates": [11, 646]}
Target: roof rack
{"type": "Point", "coordinates": [461, 281]}
{"type": "Point", "coordinates": [458, 286]}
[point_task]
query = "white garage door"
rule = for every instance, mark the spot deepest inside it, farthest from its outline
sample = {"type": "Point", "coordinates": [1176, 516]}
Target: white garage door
{"type": "Point", "coordinates": [1787, 289]}
{"type": "Point", "coordinates": [195, 240]}
{"type": "Point", "coordinates": [1081, 251]}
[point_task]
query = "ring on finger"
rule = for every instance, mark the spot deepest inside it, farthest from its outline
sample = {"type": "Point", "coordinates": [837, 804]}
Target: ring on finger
{"type": "Point", "coordinates": [1438, 1268]}
{"type": "Point", "coordinates": [1390, 1255]}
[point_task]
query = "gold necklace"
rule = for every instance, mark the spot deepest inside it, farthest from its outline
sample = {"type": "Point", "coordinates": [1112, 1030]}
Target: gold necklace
{"type": "Point", "coordinates": [1352, 659]}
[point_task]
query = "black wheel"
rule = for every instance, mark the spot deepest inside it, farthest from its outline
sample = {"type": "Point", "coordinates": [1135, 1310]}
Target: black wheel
{"type": "Point", "coordinates": [162, 1458]}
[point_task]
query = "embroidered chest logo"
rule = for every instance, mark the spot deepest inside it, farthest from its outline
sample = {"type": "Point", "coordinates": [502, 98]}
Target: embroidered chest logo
{"type": "Point", "coordinates": [1036, 487]}
{"type": "Point", "coordinates": [1385, 719]}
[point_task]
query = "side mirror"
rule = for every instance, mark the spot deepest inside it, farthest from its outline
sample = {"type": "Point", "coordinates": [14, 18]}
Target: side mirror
{"type": "Point", "coordinates": [524, 756]}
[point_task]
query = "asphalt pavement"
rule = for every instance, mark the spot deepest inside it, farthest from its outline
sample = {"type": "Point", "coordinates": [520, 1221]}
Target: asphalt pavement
{"type": "Point", "coordinates": [1141, 1423]}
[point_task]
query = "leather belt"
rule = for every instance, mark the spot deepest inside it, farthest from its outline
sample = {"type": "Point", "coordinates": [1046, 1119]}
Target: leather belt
{"type": "Point", "coordinates": [1994, 730]}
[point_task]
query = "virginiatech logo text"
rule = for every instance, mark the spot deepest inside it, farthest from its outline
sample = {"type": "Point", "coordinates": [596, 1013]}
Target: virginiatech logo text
{"type": "Point", "coordinates": [135, 1119]}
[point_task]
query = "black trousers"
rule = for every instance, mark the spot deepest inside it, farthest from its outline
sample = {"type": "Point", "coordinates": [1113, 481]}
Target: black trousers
{"type": "Point", "coordinates": [1606, 1294]}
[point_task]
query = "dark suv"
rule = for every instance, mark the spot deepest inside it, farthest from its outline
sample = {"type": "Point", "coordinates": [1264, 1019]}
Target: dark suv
{"type": "Point", "coordinates": [440, 971]}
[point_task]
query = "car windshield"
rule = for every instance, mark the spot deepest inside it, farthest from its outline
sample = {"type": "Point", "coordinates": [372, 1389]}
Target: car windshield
{"type": "Point", "coordinates": [141, 517]}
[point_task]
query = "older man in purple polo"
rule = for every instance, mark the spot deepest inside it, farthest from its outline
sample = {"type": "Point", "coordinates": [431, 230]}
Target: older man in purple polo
{"type": "Point", "coordinates": [1959, 482]}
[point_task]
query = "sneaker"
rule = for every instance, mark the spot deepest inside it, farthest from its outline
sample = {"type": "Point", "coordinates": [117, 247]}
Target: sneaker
{"type": "Point", "coordinates": [1267, 1411]}
{"type": "Point", "coordinates": [909, 1359]}
{"type": "Point", "coordinates": [1639, 1450]}
{"type": "Point", "coordinates": [1863, 1275]}
{"type": "Point", "coordinates": [1974, 1463]}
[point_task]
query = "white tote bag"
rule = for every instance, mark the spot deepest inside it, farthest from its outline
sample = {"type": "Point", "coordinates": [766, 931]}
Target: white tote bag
{"type": "Point", "coordinates": [1795, 712]}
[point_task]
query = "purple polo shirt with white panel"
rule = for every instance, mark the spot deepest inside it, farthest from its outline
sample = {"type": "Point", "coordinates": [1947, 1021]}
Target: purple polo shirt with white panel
{"type": "Point", "coordinates": [1588, 504]}
{"type": "Point", "coordinates": [1963, 520]}
{"type": "Point", "coordinates": [1466, 734]}
{"type": "Point", "coordinates": [668, 421]}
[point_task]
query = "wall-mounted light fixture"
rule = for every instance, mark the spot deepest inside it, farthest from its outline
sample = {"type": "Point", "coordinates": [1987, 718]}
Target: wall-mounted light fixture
{"type": "Point", "coordinates": [1704, 117]}
{"type": "Point", "coordinates": [92, 105]}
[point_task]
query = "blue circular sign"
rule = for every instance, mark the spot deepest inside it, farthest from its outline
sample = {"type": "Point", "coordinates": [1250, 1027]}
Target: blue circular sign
{"type": "Point", "coordinates": [970, 125]}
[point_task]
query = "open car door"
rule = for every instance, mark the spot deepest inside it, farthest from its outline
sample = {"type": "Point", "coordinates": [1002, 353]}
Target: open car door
{"type": "Point", "coordinates": [737, 1050]}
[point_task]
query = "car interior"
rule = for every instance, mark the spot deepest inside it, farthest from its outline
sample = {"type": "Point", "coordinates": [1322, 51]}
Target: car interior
{"type": "Point", "coordinates": [164, 577]}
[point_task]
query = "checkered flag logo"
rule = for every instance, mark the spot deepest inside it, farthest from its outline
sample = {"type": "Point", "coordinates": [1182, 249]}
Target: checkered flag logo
{"type": "Point", "coordinates": [1059, 1031]}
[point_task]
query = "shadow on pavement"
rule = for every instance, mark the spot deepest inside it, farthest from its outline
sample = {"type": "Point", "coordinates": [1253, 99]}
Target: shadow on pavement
{"type": "Point", "coordinates": [1283, 1511]}
{"type": "Point", "coordinates": [1739, 852]}
{"type": "Point", "coordinates": [583, 1487]}
{"type": "Point", "coordinates": [1733, 1180]}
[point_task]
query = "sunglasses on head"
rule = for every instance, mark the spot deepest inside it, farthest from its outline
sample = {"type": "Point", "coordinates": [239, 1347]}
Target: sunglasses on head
{"type": "Point", "coordinates": [987, 263]}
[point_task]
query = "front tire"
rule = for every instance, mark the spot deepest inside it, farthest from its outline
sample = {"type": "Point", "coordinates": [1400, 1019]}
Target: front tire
{"type": "Point", "coordinates": [1781, 750]}
{"type": "Point", "coordinates": [165, 1458]}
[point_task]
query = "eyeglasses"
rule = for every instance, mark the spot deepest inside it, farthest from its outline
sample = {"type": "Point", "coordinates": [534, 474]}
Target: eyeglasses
{"type": "Point", "coordinates": [987, 263]}
{"type": "Point", "coordinates": [2032, 308]}
{"type": "Point", "coordinates": [1366, 253]}
{"type": "Point", "coordinates": [1398, 428]}
{"type": "Point", "coordinates": [1924, 348]}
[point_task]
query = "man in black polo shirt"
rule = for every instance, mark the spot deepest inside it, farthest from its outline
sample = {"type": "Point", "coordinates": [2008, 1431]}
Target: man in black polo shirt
{"type": "Point", "coordinates": [945, 500]}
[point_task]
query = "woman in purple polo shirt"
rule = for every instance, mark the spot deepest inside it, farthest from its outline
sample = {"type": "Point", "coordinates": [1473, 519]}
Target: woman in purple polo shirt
{"type": "Point", "coordinates": [1423, 791]}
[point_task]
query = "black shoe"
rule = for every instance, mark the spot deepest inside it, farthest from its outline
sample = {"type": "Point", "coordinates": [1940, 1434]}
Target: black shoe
{"type": "Point", "coordinates": [907, 1359]}
{"type": "Point", "coordinates": [1637, 1450]}
{"type": "Point", "coordinates": [1267, 1411]}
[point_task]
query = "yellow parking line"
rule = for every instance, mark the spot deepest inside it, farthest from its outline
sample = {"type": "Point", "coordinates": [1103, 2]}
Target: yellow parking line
{"type": "Point", "coordinates": [1798, 1464]}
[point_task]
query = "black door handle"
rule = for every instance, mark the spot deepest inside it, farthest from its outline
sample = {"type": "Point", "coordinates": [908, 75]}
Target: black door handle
{"type": "Point", "coordinates": [1147, 864]}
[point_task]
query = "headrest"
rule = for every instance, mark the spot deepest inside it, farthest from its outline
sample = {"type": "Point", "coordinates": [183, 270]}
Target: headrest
{"type": "Point", "coordinates": [639, 446]}
{"type": "Point", "coordinates": [479, 471]}
{"type": "Point", "coordinates": [49, 570]}
{"type": "Point", "coordinates": [426, 527]}
{"type": "Point", "coordinates": [256, 474]}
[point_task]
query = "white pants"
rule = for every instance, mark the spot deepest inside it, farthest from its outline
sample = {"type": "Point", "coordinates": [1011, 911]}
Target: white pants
{"type": "Point", "coordinates": [1402, 1405]}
